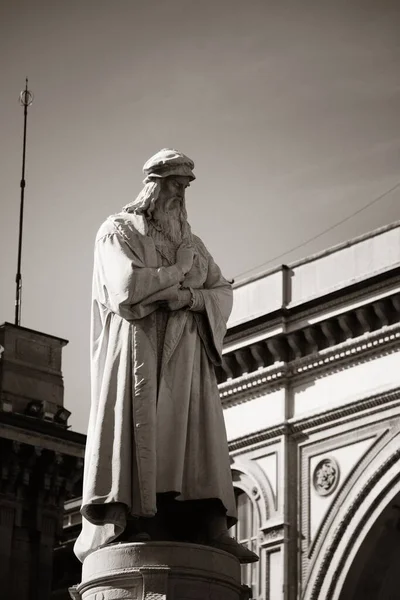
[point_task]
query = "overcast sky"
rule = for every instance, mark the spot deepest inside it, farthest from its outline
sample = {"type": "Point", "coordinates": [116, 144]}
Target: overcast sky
{"type": "Point", "coordinates": [290, 110]}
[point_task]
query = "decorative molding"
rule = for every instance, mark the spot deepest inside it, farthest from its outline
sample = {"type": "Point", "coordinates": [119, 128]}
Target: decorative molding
{"type": "Point", "coordinates": [296, 427]}
{"type": "Point", "coordinates": [272, 536]}
{"type": "Point", "coordinates": [326, 446]}
{"type": "Point", "coordinates": [47, 474]}
{"type": "Point", "coordinates": [384, 433]}
{"type": "Point", "coordinates": [258, 437]}
{"type": "Point", "coordinates": [155, 582]}
{"type": "Point", "coordinates": [326, 476]}
{"type": "Point", "coordinates": [256, 485]}
{"type": "Point", "coordinates": [315, 306]}
{"type": "Point", "coordinates": [353, 410]}
{"type": "Point", "coordinates": [344, 355]}
{"type": "Point", "coordinates": [253, 385]}
{"type": "Point", "coordinates": [360, 330]}
{"type": "Point", "coordinates": [349, 353]}
{"type": "Point", "coordinates": [157, 570]}
{"type": "Point", "coordinates": [343, 525]}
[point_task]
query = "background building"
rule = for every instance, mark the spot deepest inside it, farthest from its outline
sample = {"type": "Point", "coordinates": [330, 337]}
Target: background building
{"type": "Point", "coordinates": [311, 391]}
{"type": "Point", "coordinates": [310, 385]}
{"type": "Point", "coordinates": [40, 461]}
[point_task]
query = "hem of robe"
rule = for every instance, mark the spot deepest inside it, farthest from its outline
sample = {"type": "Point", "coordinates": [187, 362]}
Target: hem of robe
{"type": "Point", "coordinates": [95, 535]}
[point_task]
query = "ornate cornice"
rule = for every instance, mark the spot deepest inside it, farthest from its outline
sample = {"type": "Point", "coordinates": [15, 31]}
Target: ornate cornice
{"type": "Point", "coordinates": [379, 401]}
{"type": "Point", "coordinates": [295, 348]}
{"type": "Point", "coordinates": [336, 299]}
{"type": "Point", "coordinates": [350, 352]}
{"type": "Point", "coordinates": [252, 385]}
{"type": "Point", "coordinates": [345, 354]}
{"type": "Point", "coordinates": [287, 315]}
{"type": "Point", "coordinates": [258, 437]}
{"type": "Point", "coordinates": [32, 471]}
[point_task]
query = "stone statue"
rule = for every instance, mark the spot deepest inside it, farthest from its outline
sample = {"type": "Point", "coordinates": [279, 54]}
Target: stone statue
{"type": "Point", "coordinates": [157, 465]}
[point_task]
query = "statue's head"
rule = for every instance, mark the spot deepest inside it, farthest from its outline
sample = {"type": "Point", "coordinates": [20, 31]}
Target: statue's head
{"type": "Point", "coordinates": [168, 163]}
{"type": "Point", "coordinates": [167, 175]}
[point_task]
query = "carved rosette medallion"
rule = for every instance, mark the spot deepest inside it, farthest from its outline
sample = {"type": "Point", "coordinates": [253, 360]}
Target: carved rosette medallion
{"type": "Point", "coordinates": [326, 476]}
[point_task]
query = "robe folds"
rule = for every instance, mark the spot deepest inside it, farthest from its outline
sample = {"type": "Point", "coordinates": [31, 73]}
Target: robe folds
{"type": "Point", "coordinates": [150, 434]}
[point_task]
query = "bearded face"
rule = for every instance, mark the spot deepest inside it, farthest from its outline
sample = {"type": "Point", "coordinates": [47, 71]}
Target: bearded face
{"type": "Point", "coordinates": [169, 212]}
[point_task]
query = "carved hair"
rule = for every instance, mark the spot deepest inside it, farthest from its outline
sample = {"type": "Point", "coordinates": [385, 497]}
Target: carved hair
{"type": "Point", "coordinates": [145, 201]}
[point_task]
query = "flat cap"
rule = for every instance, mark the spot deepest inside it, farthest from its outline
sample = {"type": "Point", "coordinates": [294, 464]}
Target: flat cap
{"type": "Point", "coordinates": [168, 162]}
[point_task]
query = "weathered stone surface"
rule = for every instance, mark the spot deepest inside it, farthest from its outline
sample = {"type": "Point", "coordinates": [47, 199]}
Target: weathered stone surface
{"type": "Point", "coordinates": [34, 483]}
{"type": "Point", "coordinates": [159, 571]}
{"type": "Point", "coordinates": [30, 370]}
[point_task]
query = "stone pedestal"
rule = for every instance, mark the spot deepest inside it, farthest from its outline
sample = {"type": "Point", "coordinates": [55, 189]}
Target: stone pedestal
{"type": "Point", "coordinates": [160, 571]}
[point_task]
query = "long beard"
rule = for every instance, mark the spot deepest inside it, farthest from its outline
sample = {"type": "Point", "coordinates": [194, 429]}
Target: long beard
{"type": "Point", "coordinates": [173, 224]}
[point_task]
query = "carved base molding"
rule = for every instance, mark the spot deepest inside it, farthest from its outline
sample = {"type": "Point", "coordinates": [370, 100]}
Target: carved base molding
{"type": "Point", "coordinates": [160, 571]}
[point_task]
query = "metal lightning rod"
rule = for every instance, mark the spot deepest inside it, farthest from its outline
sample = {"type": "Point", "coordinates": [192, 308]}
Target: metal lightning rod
{"type": "Point", "coordinates": [25, 99]}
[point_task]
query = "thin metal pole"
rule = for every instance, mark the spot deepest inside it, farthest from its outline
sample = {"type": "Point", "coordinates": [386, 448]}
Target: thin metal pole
{"type": "Point", "coordinates": [26, 99]}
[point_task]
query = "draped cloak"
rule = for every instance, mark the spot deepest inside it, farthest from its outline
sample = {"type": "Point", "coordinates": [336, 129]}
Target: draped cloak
{"type": "Point", "coordinates": [151, 434]}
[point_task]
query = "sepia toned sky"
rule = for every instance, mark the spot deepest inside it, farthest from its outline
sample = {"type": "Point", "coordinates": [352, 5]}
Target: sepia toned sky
{"type": "Point", "coordinates": [290, 110]}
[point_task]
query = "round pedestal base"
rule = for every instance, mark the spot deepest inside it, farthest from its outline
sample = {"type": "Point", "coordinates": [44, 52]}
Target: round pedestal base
{"type": "Point", "coordinates": [160, 571]}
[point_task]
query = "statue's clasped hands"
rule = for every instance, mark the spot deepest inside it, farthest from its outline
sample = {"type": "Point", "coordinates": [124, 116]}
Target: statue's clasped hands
{"type": "Point", "coordinates": [183, 301]}
{"type": "Point", "coordinates": [184, 257]}
{"type": "Point", "coordinates": [184, 260]}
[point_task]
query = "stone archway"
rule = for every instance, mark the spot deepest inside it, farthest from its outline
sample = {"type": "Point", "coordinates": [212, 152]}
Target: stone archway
{"type": "Point", "coordinates": [365, 522]}
{"type": "Point", "coordinates": [375, 571]}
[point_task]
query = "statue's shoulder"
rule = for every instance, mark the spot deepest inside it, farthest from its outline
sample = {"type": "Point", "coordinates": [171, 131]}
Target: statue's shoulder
{"type": "Point", "coordinates": [200, 246]}
{"type": "Point", "coordinates": [127, 225]}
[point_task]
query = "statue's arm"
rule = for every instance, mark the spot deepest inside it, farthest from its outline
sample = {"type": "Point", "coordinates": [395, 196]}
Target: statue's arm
{"type": "Point", "coordinates": [217, 291]}
{"type": "Point", "coordinates": [215, 301]}
{"type": "Point", "coordinates": [125, 284]}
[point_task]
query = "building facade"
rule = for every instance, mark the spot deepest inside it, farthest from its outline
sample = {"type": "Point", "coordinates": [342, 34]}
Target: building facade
{"type": "Point", "coordinates": [41, 461]}
{"type": "Point", "coordinates": [310, 385]}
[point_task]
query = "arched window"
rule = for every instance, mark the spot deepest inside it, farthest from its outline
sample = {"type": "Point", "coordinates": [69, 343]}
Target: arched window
{"type": "Point", "coordinates": [246, 531]}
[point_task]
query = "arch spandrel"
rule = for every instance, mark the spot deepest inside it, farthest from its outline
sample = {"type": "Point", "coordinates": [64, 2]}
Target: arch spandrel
{"type": "Point", "coordinates": [325, 489]}
{"type": "Point", "coordinates": [369, 442]}
{"type": "Point", "coordinates": [377, 484]}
